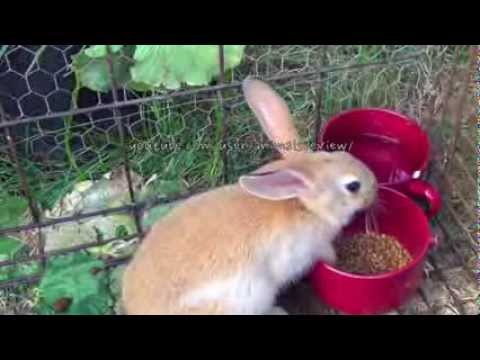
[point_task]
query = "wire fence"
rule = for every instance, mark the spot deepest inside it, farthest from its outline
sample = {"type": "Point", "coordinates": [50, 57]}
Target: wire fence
{"type": "Point", "coordinates": [55, 135]}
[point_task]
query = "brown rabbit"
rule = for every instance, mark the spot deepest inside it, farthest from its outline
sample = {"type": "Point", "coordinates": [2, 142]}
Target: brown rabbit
{"type": "Point", "coordinates": [232, 249]}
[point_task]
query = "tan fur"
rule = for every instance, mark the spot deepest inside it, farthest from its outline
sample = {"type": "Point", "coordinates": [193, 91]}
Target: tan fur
{"type": "Point", "coordinates": [219, 240]}
{"type": "Point", "coordinates": [192, 245]}
{"type": "Point", "coordinates": [194, 248]}
{"type": "Point", "coordinates": [274, 117]}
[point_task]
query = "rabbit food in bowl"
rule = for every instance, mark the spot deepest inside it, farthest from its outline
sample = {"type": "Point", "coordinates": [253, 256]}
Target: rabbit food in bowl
{"type": "Point", "coordinates": [351, 293]}
{"type": "Point", "coordinates": [371, 254]}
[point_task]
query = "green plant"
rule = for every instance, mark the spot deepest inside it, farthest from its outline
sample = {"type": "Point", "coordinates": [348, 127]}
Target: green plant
{"type": "Point", "coordinates": [11, 214]}
{"type": "Point", "coordinates": [217, 161]}
{"type": "Point", "coordinates": [12, 272]}
{"type": "Point", "coordinates": [150, 67]}
{"type": "Point", "coordinates": [92, 71]}
{"type": "Point", "coordinates": [75, 284]}
{"type": "Point", "coordinates": [197, 128]}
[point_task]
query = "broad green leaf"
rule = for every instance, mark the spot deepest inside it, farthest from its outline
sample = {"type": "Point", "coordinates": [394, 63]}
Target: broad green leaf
{"type": "Point", "coordinates": [142, 52]}
{"type": "Point", "coordinates": [140, 87]}
{"type": "Point", "coordinates": [94, 73]}
{"type": "Point", "coordinates": [233, 55]}
{"type": "Point", "coordinates": [155, 66]}
{"type": "Point", "coordinates": [98, 51]}
{"type": "Point", "coordinates": [71, 277]}
{"type": "Point", "coordinates": [172, 65]}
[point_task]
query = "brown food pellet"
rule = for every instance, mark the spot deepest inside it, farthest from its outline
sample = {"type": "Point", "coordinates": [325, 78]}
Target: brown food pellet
{"type": "Point", "coordinates": [61, 305]}
{"type": "Point", "coordinates": [369, 254]}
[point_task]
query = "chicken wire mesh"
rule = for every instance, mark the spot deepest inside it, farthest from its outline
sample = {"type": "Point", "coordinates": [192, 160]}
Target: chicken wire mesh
{"type": "Point", "coordinates": [144, 150]}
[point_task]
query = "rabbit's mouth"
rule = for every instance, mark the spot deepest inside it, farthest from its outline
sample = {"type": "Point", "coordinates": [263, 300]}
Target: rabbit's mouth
{"type": "Point", "coordinates": [370, 203]}
{"type": "Point", "coordinates": [360, 212]}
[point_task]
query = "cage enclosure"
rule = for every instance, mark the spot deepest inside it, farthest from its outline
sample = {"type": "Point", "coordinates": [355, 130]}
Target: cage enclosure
{"type": "Point", "coordinates": [98, 142]}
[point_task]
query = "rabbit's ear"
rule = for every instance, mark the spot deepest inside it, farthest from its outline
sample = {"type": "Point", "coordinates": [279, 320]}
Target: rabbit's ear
{"type": "Point", "coordinates": [276, 185]}
{"type": "Point", "coordinates": [273, 114]}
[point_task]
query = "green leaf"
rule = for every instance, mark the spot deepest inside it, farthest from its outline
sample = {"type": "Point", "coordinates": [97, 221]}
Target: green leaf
{"type": "Point", "coordinates": [172, 65]}
{"type": "Point", "coordinates": [94, 73]}
{"type": "Point", "coordinates": [138, 86]}
{"type": "Point", "coordinates": [232, 55]}
{"type": "Point", "coordinates": [98, 51]}
{"type": "Point", "coordinates": [154, 66]}
{"type": "Point", "coordinates": [71, 277]}
{"type": "Point", "coordinates": [142, 52]}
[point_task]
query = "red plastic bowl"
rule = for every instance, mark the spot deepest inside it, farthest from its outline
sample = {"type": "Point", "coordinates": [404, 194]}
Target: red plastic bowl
{"type": "Point", "coordinates": [394, 146]}
{"type": "Point", "coordinates": [396, 215]}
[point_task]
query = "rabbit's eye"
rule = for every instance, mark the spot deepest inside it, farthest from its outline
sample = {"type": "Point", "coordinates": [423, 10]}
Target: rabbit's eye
{"type": "Point", "coordinates": [353, 186]}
